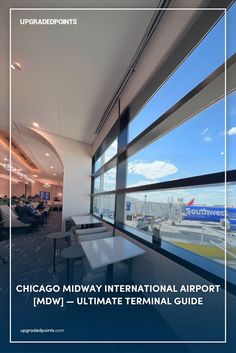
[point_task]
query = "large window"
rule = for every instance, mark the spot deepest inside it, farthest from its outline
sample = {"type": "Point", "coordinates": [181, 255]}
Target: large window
{"type": "Point", "coordinates": [200, 139]}
{"type": "Point", "coordinates": [106, 181]}
{"type": "Point", "coordinates": [190, 218]}
{"type": "Point", "coordinates": [206, 57]}
{"type": "Point", "coordinates": [104, 207]}
{"type": "Point", "coordinates": [109, 153]}
{"type": "Point", "coordinates": [103, 201]}
{"type": "Point", "coordinates": [167, 186]}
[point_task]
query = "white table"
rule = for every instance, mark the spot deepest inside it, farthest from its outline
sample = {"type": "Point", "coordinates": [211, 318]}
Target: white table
{"type": "Point", "coordinates": [83, 221]}
{"type": "Point", "coordinates": [108, 251]}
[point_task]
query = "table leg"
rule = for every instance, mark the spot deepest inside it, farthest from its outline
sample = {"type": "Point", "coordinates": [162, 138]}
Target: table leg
{"type": "Point", "coordinates": [110, 274]}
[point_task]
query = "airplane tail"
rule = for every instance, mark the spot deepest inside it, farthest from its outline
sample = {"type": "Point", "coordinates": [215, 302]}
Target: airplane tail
{"type": "Point", "coordinates": [190, 203]}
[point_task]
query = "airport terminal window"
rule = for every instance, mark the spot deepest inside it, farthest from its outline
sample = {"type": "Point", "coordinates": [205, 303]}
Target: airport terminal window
{"type": "Point", "coordinates": [109, 153]}
{"type": "Point", "coordinates": [97, 185]}
{"type": "Point", "coordinates": [98, 163]}
{"type": "Point", "coordinates": [210, 51]}
{"type": "Point", "coordinates": [190, 218]}
{"type": "Point", "coordinates": [171, 156]}
{"type": "Point", "coordinates": [104, 206]}
{"type": "Point", "coordinates": [106, 181]}
{"type": "Point", "coordinates": [109, 180]}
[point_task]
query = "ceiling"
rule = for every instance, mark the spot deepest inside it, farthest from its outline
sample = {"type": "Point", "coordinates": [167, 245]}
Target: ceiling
{"type": "Point", "coordinates": [69, 74]}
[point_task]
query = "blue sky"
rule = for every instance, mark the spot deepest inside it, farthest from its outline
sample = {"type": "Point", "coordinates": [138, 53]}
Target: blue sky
{"type": "Point", "coordinates": [197, 146]}
{"type": "Point", "coordinates": [206, 57]}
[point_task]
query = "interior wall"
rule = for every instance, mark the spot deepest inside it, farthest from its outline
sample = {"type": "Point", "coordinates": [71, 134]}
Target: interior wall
{"type": "Point", "coordinates": [4, 187]}
{"type": "Point", "coordinates": [77, 162]}
{"type": "Point", "coordinates": [18, 189]}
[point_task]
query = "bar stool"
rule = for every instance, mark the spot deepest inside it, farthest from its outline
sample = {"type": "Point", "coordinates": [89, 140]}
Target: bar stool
{"type": "Point", "coordinates": [71, 254]}
{"type": "Point", "coordinates": [54, 236]}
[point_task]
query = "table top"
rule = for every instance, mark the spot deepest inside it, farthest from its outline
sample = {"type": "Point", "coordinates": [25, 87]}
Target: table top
{"type": "Point", "coordinates": [85, 220]}
{"type": "Point", "coordinates": [72, 252]}
{"type": "Point", "coordinates": [102, 252]}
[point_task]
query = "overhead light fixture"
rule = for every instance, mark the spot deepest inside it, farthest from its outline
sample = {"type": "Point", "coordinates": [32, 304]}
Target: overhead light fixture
{"type": "Point", "coordinates": [46, 185]}
{"type": "Point", "coordinates": [47, 154]}
{"type": "Point", "coordinates": [35, 124]}
{"type": "Point", "coordinates": [34, 175]}
{"type": "Point", "coordinates": [54, 174]}
{"type": "Point", "coordinates": [51, 167]}
{"type": "Point", "coordinates": [16, 66]}
{"type": "Point", "coordinates": [17, 171]}
{"type": "Point", "coordinates": [5, 159]}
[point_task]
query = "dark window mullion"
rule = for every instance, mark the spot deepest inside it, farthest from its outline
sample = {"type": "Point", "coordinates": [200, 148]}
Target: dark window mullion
{"type": "Point", "coordinates": [121, 171]}
{"type": "Point", "coordinates": [201, 180]}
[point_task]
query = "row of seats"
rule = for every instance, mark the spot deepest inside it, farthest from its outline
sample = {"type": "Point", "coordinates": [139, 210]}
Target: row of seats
{"type": "Point", "coordinates": [6, 212]}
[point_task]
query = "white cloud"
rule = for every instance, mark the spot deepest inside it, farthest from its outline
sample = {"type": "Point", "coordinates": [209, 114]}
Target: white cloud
{"type": "Point", "coordinates": [205, 131]}
{"type": "Point", "coordinates": [207, 139]}
{"type": "Point", "coordinates": [222, 153]}
{"type": "Point", "coordinates": [111, 151]}
{"type": "Point", "coordinates": [232, 131]}
{"type": "Point", "coordinates": [152, 170]}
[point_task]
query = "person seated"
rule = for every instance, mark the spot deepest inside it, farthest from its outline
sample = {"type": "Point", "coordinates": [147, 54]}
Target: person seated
{"type": "Point", "coordinates": [18, 205]}
{"type": "Point", "coordinates": [42, 208]}
{"type": "Point", "coordinates": [27, 214]}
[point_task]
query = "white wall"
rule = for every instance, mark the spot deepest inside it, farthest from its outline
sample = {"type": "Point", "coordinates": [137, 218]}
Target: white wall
{"type": "Point", "coordinates": [18, 189]}
{"type": "Point", "coordinates": [77, 161]}
{"type": "Point", "coordinates": [4, 187]}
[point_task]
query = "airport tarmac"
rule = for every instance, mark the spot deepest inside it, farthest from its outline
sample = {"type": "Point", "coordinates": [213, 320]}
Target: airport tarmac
{"type": "Point", "coordinates": [206, 239]}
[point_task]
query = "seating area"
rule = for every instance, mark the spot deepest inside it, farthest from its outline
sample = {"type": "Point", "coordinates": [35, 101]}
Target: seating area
{"type": "Point", "coordinates": [40, 211]}
{"type": "Point", "coordinates": [6, 213]}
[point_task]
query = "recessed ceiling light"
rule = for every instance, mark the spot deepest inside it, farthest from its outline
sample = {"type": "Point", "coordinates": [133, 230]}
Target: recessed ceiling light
{"type": "Point", "coordinates": [5, 159]}
{"type": "Point", "coordinates": [54, 173]}
{"type": "Point", "coordinates": [21, 169]}
{"type": "Point", "coordinates": [34, 175]}
{"type": "Point", "coordinates": [47, 154]}
{"type": "Point", "coordinates": [16, 66]}
{"type": "Point", "coordinates": [51, 167]}
{"type": "Point", "coordinates": [35, 124]}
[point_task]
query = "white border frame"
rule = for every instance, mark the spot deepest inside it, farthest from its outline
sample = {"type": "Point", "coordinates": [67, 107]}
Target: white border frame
{"type": "Point", "coordinates": [225, 147]}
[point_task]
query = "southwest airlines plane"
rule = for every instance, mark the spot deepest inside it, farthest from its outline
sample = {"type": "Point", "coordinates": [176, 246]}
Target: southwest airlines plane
{"type": "Point", "coordinates": [211, 214]}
